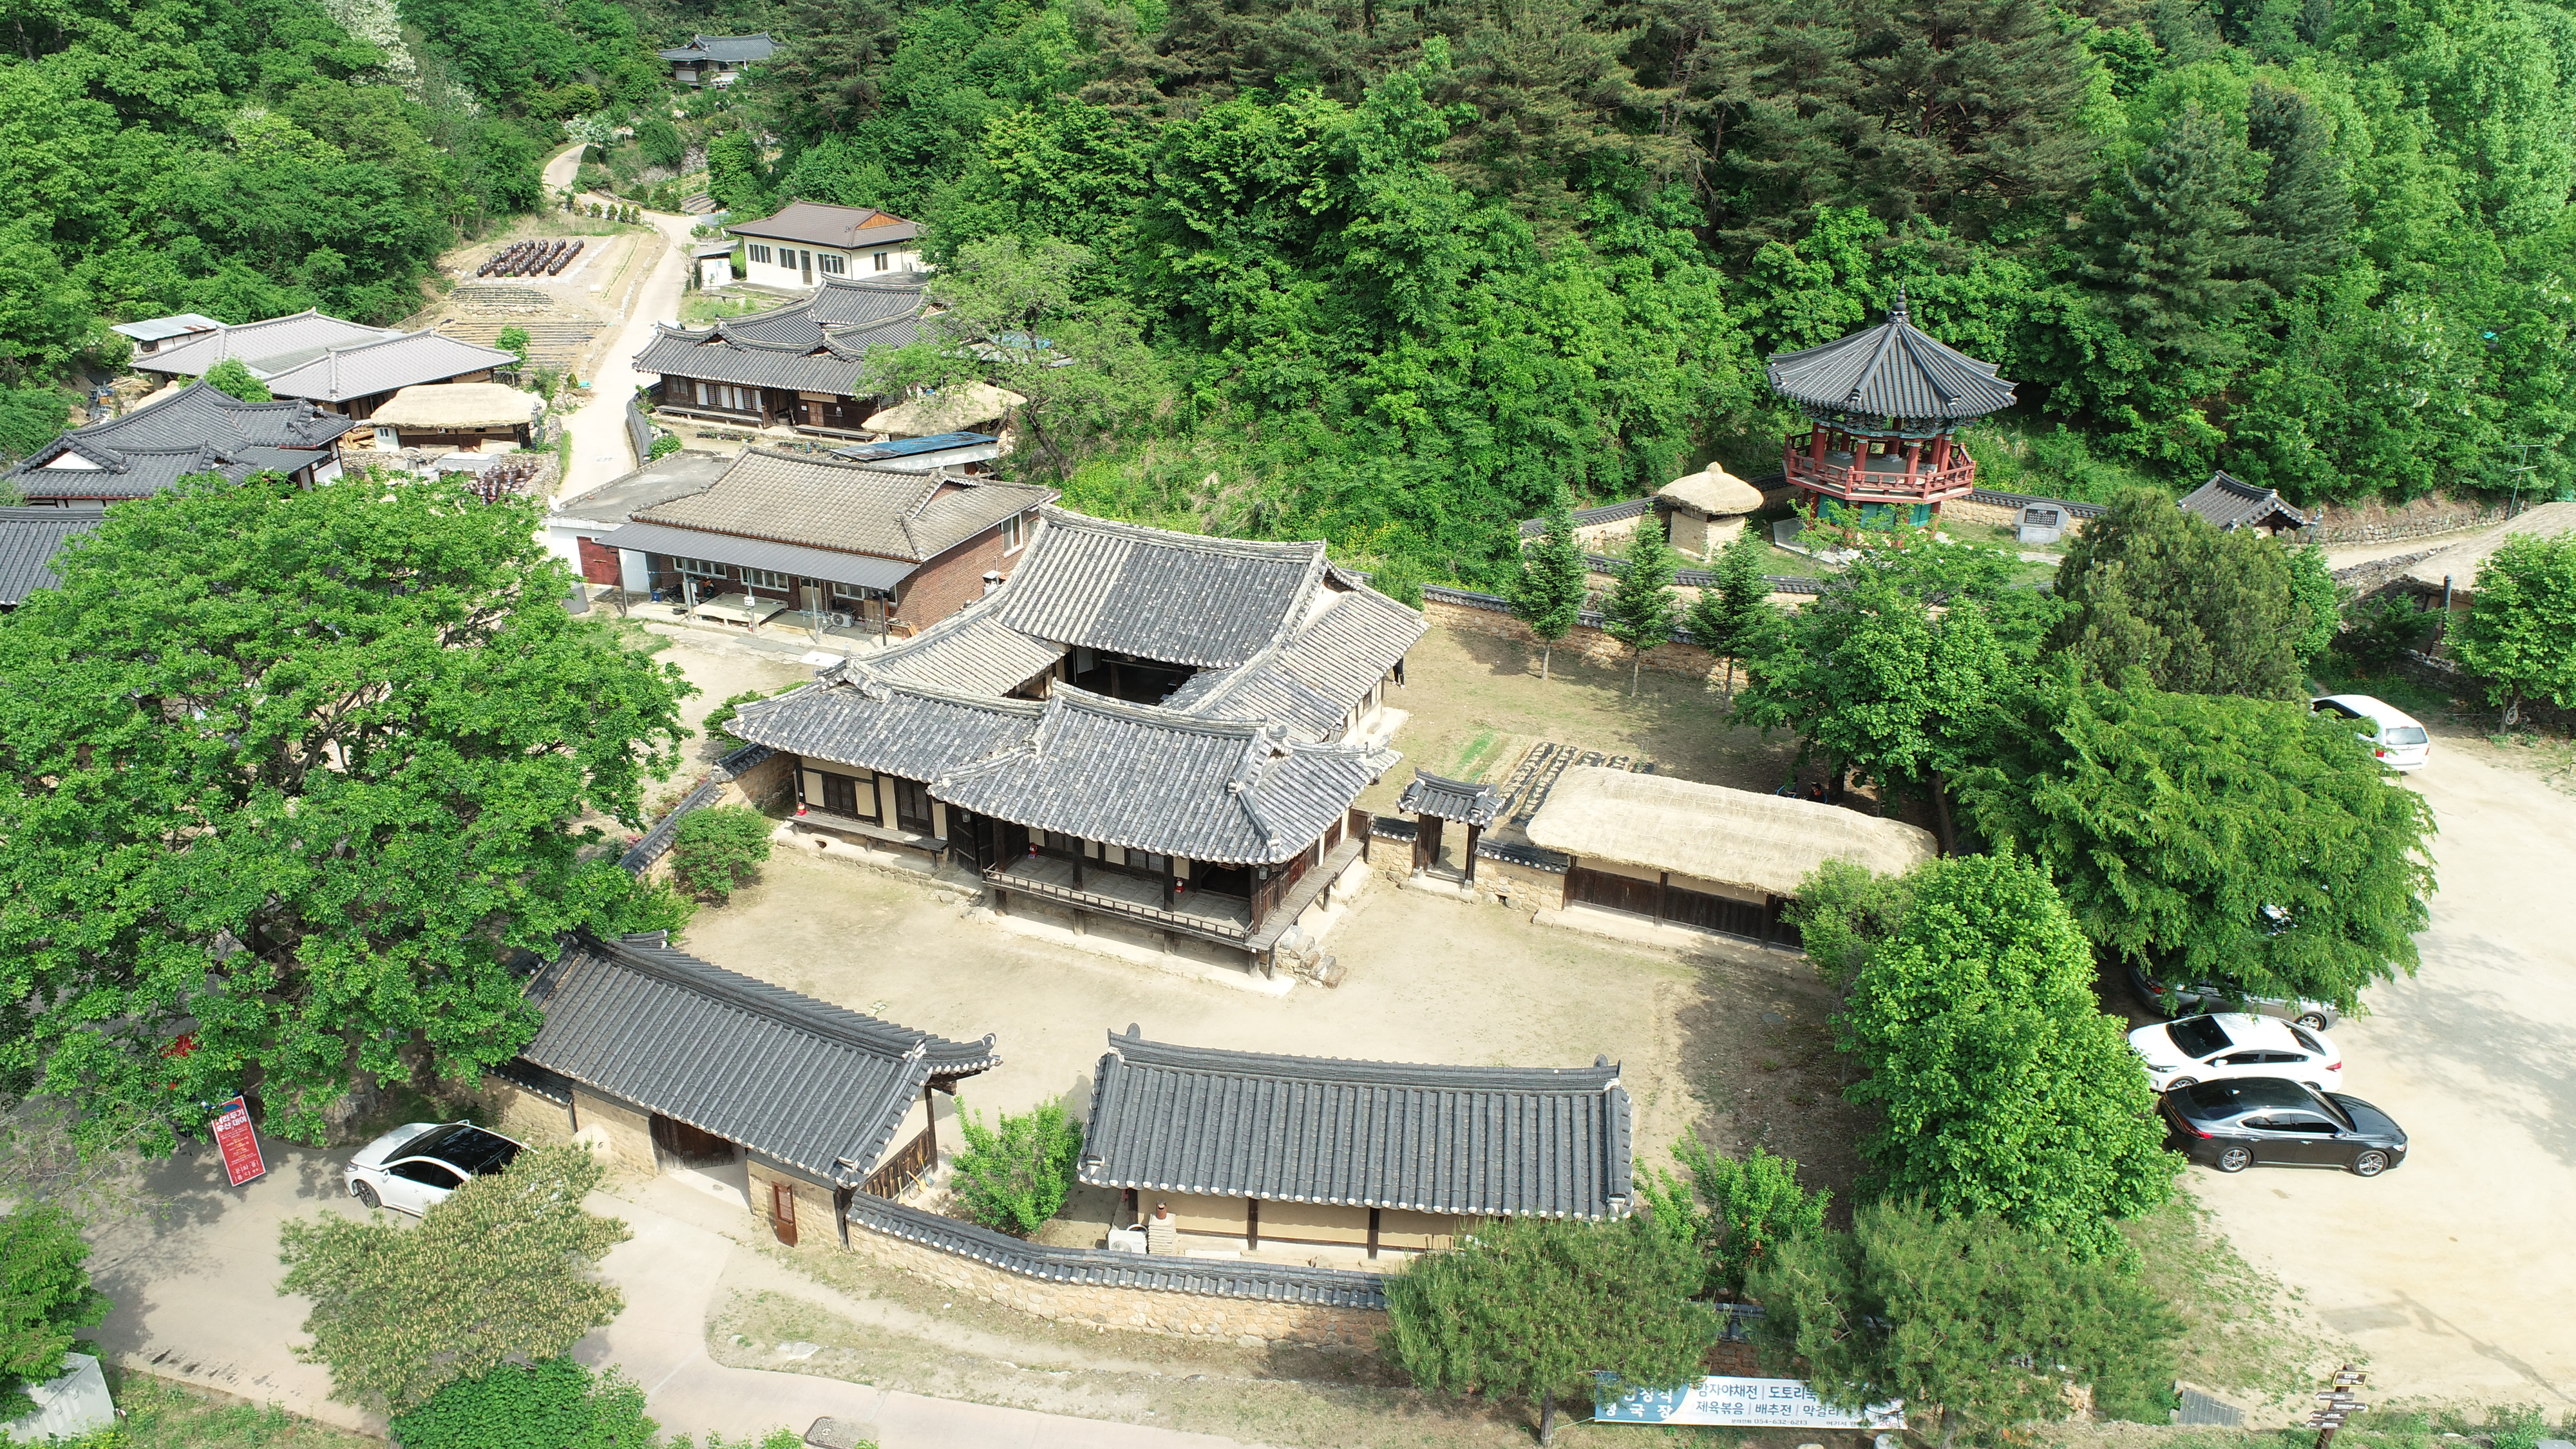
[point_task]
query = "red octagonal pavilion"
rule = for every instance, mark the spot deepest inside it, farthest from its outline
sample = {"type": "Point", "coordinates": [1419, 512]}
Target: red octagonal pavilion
{"type": "Point", "coordinates": [1883, 406]}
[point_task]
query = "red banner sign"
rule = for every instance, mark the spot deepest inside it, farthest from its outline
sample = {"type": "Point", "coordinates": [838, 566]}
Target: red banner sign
{"type": "Point", "coordinates": [239, 1141]}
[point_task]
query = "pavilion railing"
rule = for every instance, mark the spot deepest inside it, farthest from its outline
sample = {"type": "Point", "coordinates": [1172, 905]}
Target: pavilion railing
{"type": "Point", "coordinates": [1209, 926]}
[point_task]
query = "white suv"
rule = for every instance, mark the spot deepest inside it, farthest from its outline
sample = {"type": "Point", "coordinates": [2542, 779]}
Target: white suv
{"type": "Point", "coordinates": [2393, 735]}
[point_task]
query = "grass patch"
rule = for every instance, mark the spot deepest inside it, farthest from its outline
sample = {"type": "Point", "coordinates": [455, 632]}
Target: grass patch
{"type": "Point", "coordinates": [1464, 767]}
{"type": "Point", "coordinates": [160, 1414]}
{"type": "Point", "coordinates": [2244, 1333]}
{"type": "Point", "coordinates": [699, 308]}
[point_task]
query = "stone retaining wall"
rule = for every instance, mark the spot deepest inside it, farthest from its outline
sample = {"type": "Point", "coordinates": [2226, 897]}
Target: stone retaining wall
{"type": "Point", "coordinates": [1969, 510]}
{"type": "Point", "coordinates": [1130, 1310]}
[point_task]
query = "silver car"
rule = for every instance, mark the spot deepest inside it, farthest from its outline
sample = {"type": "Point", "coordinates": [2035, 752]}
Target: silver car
{"type": "Point", "coordinates": [2168, 1000]}
{"type": "Point", "coordinates": [414, 1167]}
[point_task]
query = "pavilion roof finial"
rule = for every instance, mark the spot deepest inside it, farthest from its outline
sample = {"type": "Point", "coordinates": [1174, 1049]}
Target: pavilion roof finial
{"type": "Point", "coordinates": [1896, 313]}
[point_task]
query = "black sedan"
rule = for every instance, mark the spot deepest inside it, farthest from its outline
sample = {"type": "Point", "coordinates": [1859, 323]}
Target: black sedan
{"type": "Point", "coordinates": [2235, 1122]}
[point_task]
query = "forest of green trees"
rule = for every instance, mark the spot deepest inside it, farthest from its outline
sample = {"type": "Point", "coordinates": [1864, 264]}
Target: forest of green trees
{"type": "Point", "coordinates": [1391, 273]}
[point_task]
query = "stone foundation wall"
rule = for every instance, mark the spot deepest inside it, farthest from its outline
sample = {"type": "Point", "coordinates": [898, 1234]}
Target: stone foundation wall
{"type": "Point", "coordinates": [1968, 510]}
{"type": "Point", "coordinates": [1594, 646]}
{"type": "Point", "coordinates": [1130, 1310]}
{"type": "Point", "coordinates": [516, 1112]}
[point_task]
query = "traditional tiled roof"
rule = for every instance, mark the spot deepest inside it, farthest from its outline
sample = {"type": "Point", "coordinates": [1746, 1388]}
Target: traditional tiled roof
{"type": "Point", "coordinates": [821, 224]}
{"type": "Point", "coordinates": [1179, 598]}
{"type": "Point", "coordinates": [739, 49]}
{"type": "Point", "coordinates": [862, 569]}
{"type": "Point", "coordinates": [852, 717]}
{"type": "Point", "coordinates": [1319, 673]}
{"type": "Point", "coordinates": [970, 652]}
{"type": "Point", "coordinates": [2232, 503]}
{"type": "Point", "coordinates": [1476, 1141]}
{"type": "Point", "coordinates": [838, 304]}
{"type": "Point", "coordinates": [849, 507]}
{"type": "Point", "coordinates": [806, 1084]}
{"type": "Point", "coordinates": [1104, 1268]}
{"type": "Point", "coordinates": [383, 364]}
{"type": "Point", "coordinates": [29, 539]}
{"type": "Point", "coordinates": [815, 345]}
{"type": "Point", "coordinates": [139, 472]}
{"type": "Point", "coordinates": [201, 414]}
{"type": "Point", "coordinates": [1442, 798]}
{"type": "Point", "coordinates": [1151, 779]}
{"type": "Point", "coordinates": [1890, 371]}
{"type": "Point", "coordinates": [298, 336]}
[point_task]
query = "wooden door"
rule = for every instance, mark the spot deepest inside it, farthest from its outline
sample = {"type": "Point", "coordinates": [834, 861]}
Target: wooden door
{"type": "Point", "coordinates": [1426, 842]}
{"type": "Point", "coordinates": [782, 1212]}
{"type": "Point", "coordinates": [1617, 892]}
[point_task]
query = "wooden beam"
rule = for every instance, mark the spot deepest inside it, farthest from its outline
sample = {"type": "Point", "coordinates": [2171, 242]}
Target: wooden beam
{"type": "Point", "coordinates": [1472, 832]}
{"type": "Point", "coordinates": [1372, 1246]}
{"type": "Point", "coordinates": [1252, 1224]}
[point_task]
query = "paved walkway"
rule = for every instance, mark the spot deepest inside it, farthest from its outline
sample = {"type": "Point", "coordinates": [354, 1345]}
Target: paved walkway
{"type": "Point", "coordinates": [195, 1293]}
{"type": "Point", "coordinates": [600, 450]}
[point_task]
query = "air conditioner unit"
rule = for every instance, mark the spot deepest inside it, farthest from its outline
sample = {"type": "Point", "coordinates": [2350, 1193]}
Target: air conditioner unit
{"type": "Point", "coordinates": [840, 621]}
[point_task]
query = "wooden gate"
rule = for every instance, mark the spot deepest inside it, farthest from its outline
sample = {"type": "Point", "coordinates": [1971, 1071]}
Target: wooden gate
{"type": "Point", "coordinates": [686, 1146]}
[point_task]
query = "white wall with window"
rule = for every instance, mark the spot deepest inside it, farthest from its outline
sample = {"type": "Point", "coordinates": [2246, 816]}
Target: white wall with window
{"type": "Point", "coordinates": [777, 264]}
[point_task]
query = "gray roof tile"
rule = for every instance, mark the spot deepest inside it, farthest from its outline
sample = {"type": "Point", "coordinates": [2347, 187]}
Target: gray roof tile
{"type": "Point", "coordinates": [384, 364]}
{"type": "Point", "coordinates": [969, 652]}
{"type": "Point", "coordinates": [2232, 503]}
{"type": "Point", "coordinates": [1442, 798]}
{"type": "Point", "coordinates": [29, 539]}
{"type": "Point", "coordinates": [1318, 674]}
{"type": "Point", "coordinates": [851, 717]}
{"type": "Point", "coordinates": [1168, 596]}
{"type": "Point", "coordinates": [831, 504]}
{"type": "Point", "coordinates": [1153, 779]}
{"type": "Point", "coordinates": [802, 1082]}
{"type": "Point", "coordinates": [865, 570]}
{"type": "Point", "coordinates": [253, 344]}
{"type": "Point", "coordinates": [136, 473]}
{"type": "Point", "coordinates": [1890, 371]}
{"type": "Point", "coordinates": [1538, 1141]}
{"type": "Point", "coordinates": [199, 414]}
{"type": "Point", "coordinates": [818, 223]}
{"type": "Point", "coordinates": [740, 49]}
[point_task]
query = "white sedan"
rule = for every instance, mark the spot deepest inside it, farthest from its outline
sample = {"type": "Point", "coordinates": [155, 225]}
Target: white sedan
{"type": "Point", "coordinates": [415, 1166]}
{"type": "Point", "coordinates": [2193, 1049]}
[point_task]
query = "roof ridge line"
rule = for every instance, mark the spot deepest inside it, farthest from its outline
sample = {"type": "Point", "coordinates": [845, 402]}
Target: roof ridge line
{"type": "Point", "coordinates": [1241, 547]}
{"type": "Point", "coordinates": [1125, 1047]}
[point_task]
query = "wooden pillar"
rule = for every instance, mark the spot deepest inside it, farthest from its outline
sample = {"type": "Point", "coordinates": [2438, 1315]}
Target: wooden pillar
{"type": "Point", "coordinates": [1816, 445]}
{"type": "Point", "coordinates": [1078, 851]}
{"type": "Point", "coordinates": [1252, 1224]}
{"type": "Point", "coordinates": [1472, 832]}
{"type": "Point", "coordinates": [930, 1113]}
{"type": "Point", "coordinates": [1167, 882]}
{"type": "Point", "coordinates": [1372, 1246]}
{"type": "Point", "coordinates": [1663, 897]}
{"type": "Point", "coordinates": [1913, 455]}
{"type": "Point", "coordinates": [1940, 452]}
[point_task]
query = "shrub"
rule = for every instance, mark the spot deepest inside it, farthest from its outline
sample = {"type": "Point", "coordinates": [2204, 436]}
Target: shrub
{"type": "Point", "coordinates": [513, 340]}
{"type": "Point", "coordinates": [2516, 635]}
{"type": "Point", "coordinates": [1013, 1175]}
{"type": "Point", "coordinates": [716, 849]}
{"type": "Point", "coordinates": [1399, 579]}
{"type": "Point", "coordinates": [232, 379]}
{"type": "Point", "coordinates": [722, 714]}
{"type": "Point", "coordinates": [553, 1403]}
{"type": "Point", "coordinates": [45, 1295]}
{"type": "Point", "coordinates": [2381, 629]}
{"type": "Point", "coordinates": [1745, 1207]}
{"type": "Point", "coordinates": [664, 445]}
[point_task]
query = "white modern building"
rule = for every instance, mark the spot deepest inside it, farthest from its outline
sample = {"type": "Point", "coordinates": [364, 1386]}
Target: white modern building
{"type": "Point", "coordinates": [809, 243]}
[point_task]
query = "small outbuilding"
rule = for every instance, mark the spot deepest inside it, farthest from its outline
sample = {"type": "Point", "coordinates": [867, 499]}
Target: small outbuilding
{"type": "Point", "coordinates": [714, 261]}
{"type": "Point", "coordinates": [154, 333]}
{"type": "Point", "coordinates": [2232, 503]}
{"type": "Point", "coordinates": [1703, 855]}
{"type": "Point", "coordinates": [1706, 510]}
{"type": "Point", "coordinates": [1241, 1149]}
{"type": "Point", "coordinates": [460, 415]}
{"type": "Point", "coordinates": [950, 410]}
{"type": "Point", "coordinates": [1433, 801]}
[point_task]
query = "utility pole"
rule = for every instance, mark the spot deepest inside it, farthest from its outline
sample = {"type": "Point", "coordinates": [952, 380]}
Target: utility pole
{"type": "Point", "coordinates": [2523, 451]}
{"type": "Point", "coordinates": [2341, 1400]}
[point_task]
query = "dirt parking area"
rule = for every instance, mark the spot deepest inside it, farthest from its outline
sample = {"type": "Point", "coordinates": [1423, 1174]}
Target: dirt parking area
{"type": "Point", "coordinates": [2454, 1273]}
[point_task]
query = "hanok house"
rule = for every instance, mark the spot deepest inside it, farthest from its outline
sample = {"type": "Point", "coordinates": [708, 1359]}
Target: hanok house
{"type": "Point", "coordinates": [669, 1064]}
{"type": "Point", "coordinates": [889, 551]}
{"type": "Point", "coordinates": [464, 416]}
{"type": "Point", "coordinates": [808, 243]}
{"type": "Point", "coordinates": [1156, 732]}
{"type": "Point", "coordinates": [155, 333]}
{"type": "Point", "coordinates": [1688, 854]}
{"type": "Point", "coordinates": [193, 430]}
{"type": "Point", "coordinates": [2232, 504]}
{"type": "Point", "coordinates": [798, 365]}
{"type": "Point", "coordinates": [717, 60]}
{"type": "Point", "coordinates": [29, 540]}
{"type": "Point", "coordinates": [1247, 1150]}
{"type": "Point", "coordinates": [1883, 408]}
{"type": "Point", "coordinates": [344, 367]}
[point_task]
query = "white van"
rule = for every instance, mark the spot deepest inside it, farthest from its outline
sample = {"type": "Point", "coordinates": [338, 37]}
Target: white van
{"type": "Point", "coordinates": [2394, 736]}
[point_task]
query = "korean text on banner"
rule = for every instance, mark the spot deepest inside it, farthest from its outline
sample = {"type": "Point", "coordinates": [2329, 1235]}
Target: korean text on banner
{"type": "Point", "coordinates": [239, 1141]}
{"type": "Point", "coordinates": [1776, 1403]}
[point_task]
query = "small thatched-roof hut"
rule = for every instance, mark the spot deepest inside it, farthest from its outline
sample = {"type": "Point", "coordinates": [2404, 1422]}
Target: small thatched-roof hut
{"type": "Point", "coordinates": [950, 410]}
{"type": "Point", "coordinates": [457, 415]}
{"type": "Point", "coordinates": [1708, 839]}
{"type": "Point", "coordinates": [1706, 509]}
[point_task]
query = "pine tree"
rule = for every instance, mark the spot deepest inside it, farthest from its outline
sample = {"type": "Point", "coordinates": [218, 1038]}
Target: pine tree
{"type": "Point", "coordinates": [1729, 620]}
{"type": "Point", "coordinates": [1548, 595]}
{"type": "Point", "coordinates": [1642, 609]}
{"type": "Point", "coordinates": [2171, 240]}
{"type": "Point", "coordinates": [2151, 587]}
{"type": "Point", "coordinates": [2304, 219]}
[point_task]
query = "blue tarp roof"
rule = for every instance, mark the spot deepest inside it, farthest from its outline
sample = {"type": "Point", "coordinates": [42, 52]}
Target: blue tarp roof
{"type": "Point", "coordinates": [909, 447]}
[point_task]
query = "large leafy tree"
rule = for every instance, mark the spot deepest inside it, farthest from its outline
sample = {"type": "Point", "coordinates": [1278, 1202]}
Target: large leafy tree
{"type": "Point", "coordinates": [290, 774]}
{"type": "Point", "coordinates": [503, 1270]}
{"type": "Point", "coordinates": [45, 1298]}
{"type": "Point", "coordinates": [2001, 1086]}
{"type": "Point", "coordinates": [2200, 610]}
{"type": "Point", "coordinates": [2520, 635]}
{"type": "Point", "coordinates": [1533, 1308]}
{"type": "Point", "coordinates": [2234, 840]}
{"type": "Point", "coordinates": [1977, 1324]}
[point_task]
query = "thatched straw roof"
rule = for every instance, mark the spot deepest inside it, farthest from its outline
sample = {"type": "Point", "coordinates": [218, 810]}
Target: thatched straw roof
{"type": "Point", "coordinates": [452, 405]}
{"type": "Point", "coordinates": [2461, 563]}
{"type": "Point", "coordinates": [951, 410]}
{"type": "Point", "coordinates": [1767, 843]}
{"type": "Point", "coordinates": [1715, 492]}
